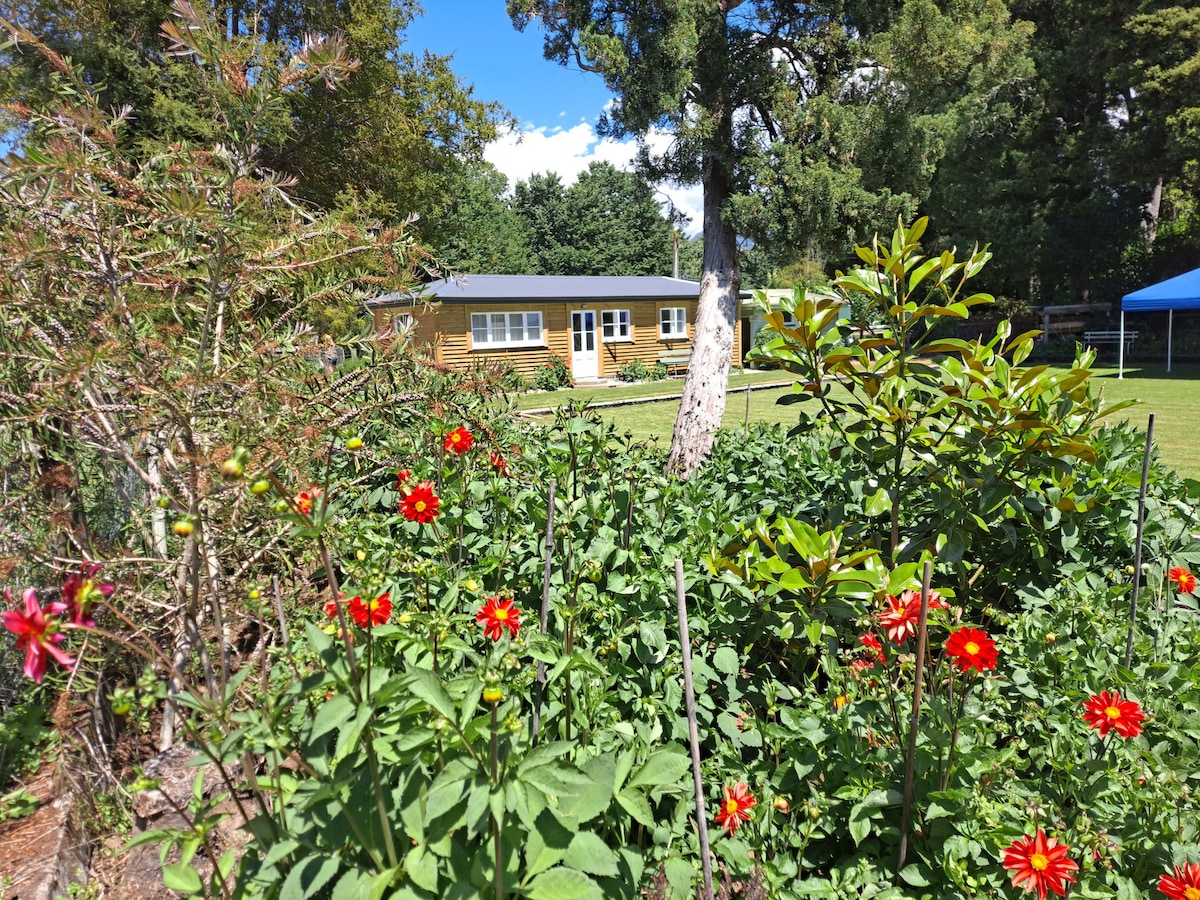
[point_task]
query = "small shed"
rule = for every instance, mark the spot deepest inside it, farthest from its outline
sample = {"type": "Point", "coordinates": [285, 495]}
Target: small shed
{"type": "Point", "coordinates": [1180, 292]}
{"type": "Point", "coordinates": [595, 323]}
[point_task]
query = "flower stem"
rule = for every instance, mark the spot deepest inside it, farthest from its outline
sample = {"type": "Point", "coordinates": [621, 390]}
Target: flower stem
{"type": "Point", "coordinates": [373, 766]}
{"type": "Point", "coordinates": [955, 717]}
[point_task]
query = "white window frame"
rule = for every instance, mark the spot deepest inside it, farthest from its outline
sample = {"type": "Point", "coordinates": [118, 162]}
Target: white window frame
{"type": "Point", "coordinates": [619, 322]}
{"type": "Point", "coordinates": [506, 329]}
{"type": "Point", "coordinates": [672, 323]}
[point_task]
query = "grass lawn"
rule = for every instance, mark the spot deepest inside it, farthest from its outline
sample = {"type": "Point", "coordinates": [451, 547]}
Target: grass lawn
{"type": "Point", "coordinates": [667, 388]}
{"type": "Point", "coordinates": [1174, 399]}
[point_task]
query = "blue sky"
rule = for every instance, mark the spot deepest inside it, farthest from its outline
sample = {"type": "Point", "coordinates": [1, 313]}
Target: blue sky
{"type": "Point", "coordinates": [557, 107]}
{"type": "Point", "coordinates": [506, 65]}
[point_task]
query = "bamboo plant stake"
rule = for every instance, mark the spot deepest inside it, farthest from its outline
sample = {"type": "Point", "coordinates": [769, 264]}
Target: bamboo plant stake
{"type": "Point", "coordinates": [1137, 543]}
{"type": "Point", "coordinates": [540, 682]}
{"type": "Point", "coordinates": [689, 694]}
{"type": "Point", "coordinates": [910, 755]}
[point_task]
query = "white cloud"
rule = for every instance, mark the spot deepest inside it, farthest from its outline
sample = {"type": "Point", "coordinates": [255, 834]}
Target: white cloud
{"type": "Point", "coordinates": [567, 152]}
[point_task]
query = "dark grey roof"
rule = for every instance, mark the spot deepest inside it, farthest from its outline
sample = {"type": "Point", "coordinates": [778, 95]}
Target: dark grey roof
{"type": "Point", "coordinates": [551, 287]}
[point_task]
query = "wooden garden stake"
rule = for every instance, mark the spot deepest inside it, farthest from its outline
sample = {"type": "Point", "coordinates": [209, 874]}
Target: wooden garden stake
{"type": "Point", "coordinates": [540, 682]}
{"type": "Point", "coordinates": [499, 859]}
{"type": "Point", "coordinates": [746, 422]}
{"type": "Point", "coordinates": [1137, 543]}
{"type": "Point", "coordinates": [911, 754]}
{"type": "Point", "coordinates": [283, 630]}
{"type": "Point", "coordinates": [689, 695]}
{"type": "Point", "coordinates": [628, 518]}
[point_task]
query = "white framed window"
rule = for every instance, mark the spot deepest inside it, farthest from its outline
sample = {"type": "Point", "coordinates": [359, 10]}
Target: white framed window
{"type": "Point", "coordinates": [616, 325]}
{"type": "Point", "coordinates": [506, 329]}
{"type": "Point", "coordinates": [672, 322]}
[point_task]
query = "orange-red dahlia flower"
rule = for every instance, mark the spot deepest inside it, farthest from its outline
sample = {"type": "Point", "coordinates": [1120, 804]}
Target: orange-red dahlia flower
{"type": "Point", "coordinates": [1105, 712]}
{"type": "Point", "coordinates": [496, 614]}
{"type": "Point", "coordinates": [971, 648]}
{"type": "Point", "coordinates": [420, 504]}
{"type": "Point", "coordinates": [735, 808]}
{"type": "Point", "coordinates": [899, 620]}
{"type": "Point", "coordinates": [1182, 884]}
{"type": "Point", "coordinates": [370, 612]}
{"type": "Point", "coordinates": [874, 653]}
{"type": "Point", "coordinates": [1185, 581]}
{"type": "Point", "coordinates": [1039, 864]}
{"type": "Point", "coordinates": [459, 441]}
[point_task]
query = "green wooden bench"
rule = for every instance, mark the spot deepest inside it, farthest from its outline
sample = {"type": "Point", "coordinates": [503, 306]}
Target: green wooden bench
{"type": "Point", "coordinates": [675, 359]}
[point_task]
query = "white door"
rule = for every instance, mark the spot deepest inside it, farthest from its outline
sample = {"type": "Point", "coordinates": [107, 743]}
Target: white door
{"type": "Point", "coordinates": [585, 359]}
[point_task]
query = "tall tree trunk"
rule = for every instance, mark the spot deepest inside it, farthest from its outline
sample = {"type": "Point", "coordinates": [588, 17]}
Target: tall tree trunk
{"type": "Point", "coordinates": [1150, 212]}
{"type": "Point", "coordinates": [704, 387]}
{"type": "Point", "coordinates": [707, 378]}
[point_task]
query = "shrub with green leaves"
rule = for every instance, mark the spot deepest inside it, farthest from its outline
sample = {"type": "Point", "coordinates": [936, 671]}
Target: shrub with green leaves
{"type": "Point", "coordinates": [553, 374]}
{"type": "Point", "coordinates": [634, 370]}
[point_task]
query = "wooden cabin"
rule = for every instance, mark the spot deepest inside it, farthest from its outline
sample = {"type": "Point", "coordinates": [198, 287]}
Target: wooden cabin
{"type": "Point", "coordinates": [595, 323]}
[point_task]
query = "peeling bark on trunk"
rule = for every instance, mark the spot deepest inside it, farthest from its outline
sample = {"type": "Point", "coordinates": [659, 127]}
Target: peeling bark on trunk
{"type": "Point", "coordinates": [707, 379]}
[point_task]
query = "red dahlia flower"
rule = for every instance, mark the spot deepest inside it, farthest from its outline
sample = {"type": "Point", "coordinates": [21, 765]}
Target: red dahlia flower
{"type": "Point", "coordinates": [1185, 581]}
{"type": "Point", "coordinates": [735, 808]}
{"type": "Point", "coordinates": [37, 633]}
{"type": "Point", "coordinates": [80, 592]}
{"type": "Point", "coordinates": [370, 612]}
{"type": "Point", "coordinates": [402, 477]}
{"type": "Point", "coordinates": [971, 648]}
{"type": "Point", "coordinates": [899, 620]}
{"type": "Point", "coordinates": [1039, 864]}
{"type": "Point", "coordinates": [1182, 884]}
{"type": "Point", "coordinates": [499, 463]}
{"type": "Point", "coordinates": [420, 504]}
{"type": "Point", "coordinates": [874, 654]}
{"type": "Point", "coordinates": [1105, 711]}
{"type": "Point", "coordinates": [459, 441]}
{"type": "Point", "coordinates": [497, 614]}
{"type": "Point", "coordinates": [305, 500]}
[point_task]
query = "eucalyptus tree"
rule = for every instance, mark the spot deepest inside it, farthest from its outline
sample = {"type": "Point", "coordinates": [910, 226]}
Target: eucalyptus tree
{"type": "Point", "coordinates": [752, 93]}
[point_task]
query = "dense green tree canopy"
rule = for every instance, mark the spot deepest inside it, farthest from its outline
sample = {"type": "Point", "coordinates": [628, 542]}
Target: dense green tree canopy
{"type": "Point", "coordinates": [391, 141]}
{"type": "Point", "coordinates": [540, 202]}
{"type": "Point", "coordinates": [483, 232]}
{"type": "Point", "coordinates": [606, 223]}
{"type": "Point", "coordinates": [615, 225]}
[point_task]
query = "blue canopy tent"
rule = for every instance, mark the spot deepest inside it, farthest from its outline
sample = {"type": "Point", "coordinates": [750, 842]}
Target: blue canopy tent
{"type": "Point", "coordinates": [1180, 292]}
